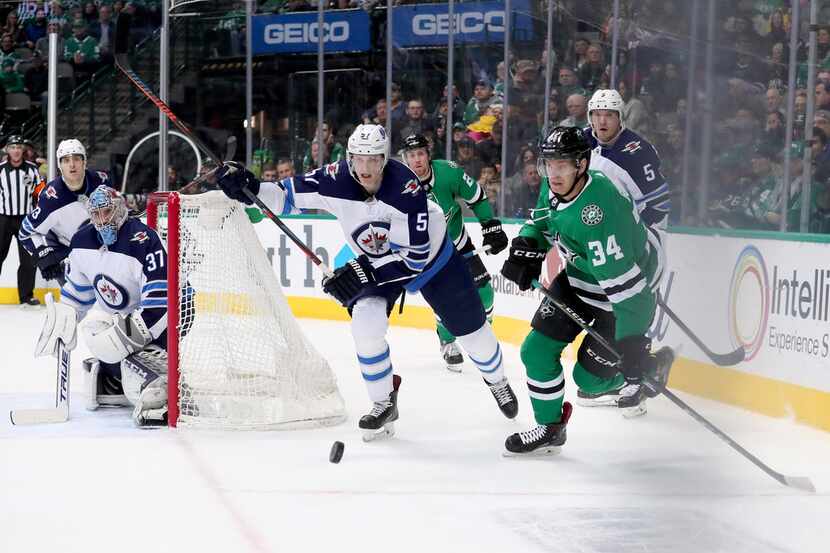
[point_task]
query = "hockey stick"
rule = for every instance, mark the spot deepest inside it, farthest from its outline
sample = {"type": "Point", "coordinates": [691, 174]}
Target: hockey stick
{"type": "Point", "coordinates": [799, 482]}
{"type": "Point", "coordinates": [122, 63]}
{"type": "Point", "coordinates": [721, 359]}
{"type": "Point", "coordinates": [61, 411]}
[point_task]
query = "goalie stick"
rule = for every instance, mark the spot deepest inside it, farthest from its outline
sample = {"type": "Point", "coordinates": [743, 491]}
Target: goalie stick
{"type": "Point", "coordinates": [721, 359]}
{"type": "Point", "coordinates": [61, 411]}
{"type": "Point", "coordinates": [122, 31]}
{"type": "Point", "coordinates": [799, 482]}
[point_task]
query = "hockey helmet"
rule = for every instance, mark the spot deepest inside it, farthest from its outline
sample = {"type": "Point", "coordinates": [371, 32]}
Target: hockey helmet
{"type": "Point", "coordinates": [606, 99]}
{"type": "Point", "coordinates": [414, 142]}
{"type": "Point", "coordinates": [368, 140]}
{"type": "Point", "coordinates": [15, 139]}
{"type": "Point", "coordinates": [564, 143]}
{"type": "Point", "coordinates": [107, 212]}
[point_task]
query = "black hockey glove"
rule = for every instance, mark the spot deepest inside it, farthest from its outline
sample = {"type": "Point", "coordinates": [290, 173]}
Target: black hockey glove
{"type": "Point", "coordinates": [636, 358]}
{"type": "Point", "coordinates": [494, 236]}
{"type": "Point", "coordinates": [525, 262]}
{"type": "Point", "coordinates": [49, 259]}
{"type": "Point", "coordinates": [233, 177]}
{"type": "Point", "coordinates": [349, 280]}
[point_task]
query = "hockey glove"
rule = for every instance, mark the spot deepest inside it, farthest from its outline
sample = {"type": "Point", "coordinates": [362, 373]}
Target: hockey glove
{"type": "Point", "coordinates": [636, 358]}
{"type": "Point", "coordinates": [61, 323]}
{"type": "Point", "coordinates": [525, 262]}
{"type": "Point", "coordinates": [49, 260]}
{"type": "Point", "coordinates": [494, 236]}
{"type": "Point", "coordinates": [234, 178]}
{"type": "Point", "coordinates": [349, 280]}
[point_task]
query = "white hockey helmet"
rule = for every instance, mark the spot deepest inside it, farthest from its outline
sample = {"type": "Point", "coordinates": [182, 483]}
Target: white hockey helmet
{"type": "Point", "coordinates": [607, 99]}
{"type": "Point", "coordinates": [70, 147]}
{"type": "Point", "coordinates": [369, 140]}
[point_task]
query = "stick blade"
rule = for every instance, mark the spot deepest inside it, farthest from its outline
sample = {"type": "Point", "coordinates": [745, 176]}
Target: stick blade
{"type": "Point", "coordinates": [20, 417]}
{"type": "Point", "coordinates": [800, 483]}
{"type": "Point", "coordinates": [728, 359]}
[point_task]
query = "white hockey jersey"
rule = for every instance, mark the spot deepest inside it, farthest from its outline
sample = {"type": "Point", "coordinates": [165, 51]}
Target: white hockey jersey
{"type": "Point", "coordinates": [399, 230]}
{"type": "Point", "coordinates": [129, 276]}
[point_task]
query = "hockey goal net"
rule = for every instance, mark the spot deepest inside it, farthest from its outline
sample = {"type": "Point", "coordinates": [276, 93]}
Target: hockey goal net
{"type": "Point", "coordinates": [237, 357]}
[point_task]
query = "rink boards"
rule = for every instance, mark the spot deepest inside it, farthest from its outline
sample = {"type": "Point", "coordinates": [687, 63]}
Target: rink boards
{"type": "Point", "coordinates": [763, 291]}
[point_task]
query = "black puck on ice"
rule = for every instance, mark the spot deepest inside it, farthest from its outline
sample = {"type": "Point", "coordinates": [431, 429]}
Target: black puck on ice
{"type": "Point", "coordinates": [336, 452]}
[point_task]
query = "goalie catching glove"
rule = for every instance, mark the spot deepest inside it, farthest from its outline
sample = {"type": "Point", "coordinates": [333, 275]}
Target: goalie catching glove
{"type": "Point", "coordinates": [494, 236]}
{"type": "Point", "coordinates": [61, 322]}
{"type": "Point", "coordinates": [350, 280]}
{"type": "Point", "coordinates": [525, 262]}
{"type": "Point", "coordinates": [234, 179]}
{"type": "Point", "coordinates": [111, 338]}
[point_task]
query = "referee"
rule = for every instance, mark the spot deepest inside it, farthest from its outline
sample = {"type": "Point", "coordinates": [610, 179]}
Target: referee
{"type": "Point", "coordinates": [18, 179]}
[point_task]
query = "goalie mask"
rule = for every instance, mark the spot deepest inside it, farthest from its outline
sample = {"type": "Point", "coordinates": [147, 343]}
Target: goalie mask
{"type": "Point", "coordinates": [107, 212]}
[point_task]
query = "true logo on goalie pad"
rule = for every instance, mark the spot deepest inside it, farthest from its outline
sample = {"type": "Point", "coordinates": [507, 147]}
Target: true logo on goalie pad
{"type": "Point", "coordinates": [113, 294]}
{"type": "Point", "coordinates": [373, 238]}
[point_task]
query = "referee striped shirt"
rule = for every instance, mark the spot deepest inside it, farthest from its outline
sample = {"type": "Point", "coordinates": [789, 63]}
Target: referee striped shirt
{"type": "Point", "coordinates": [16, 187]}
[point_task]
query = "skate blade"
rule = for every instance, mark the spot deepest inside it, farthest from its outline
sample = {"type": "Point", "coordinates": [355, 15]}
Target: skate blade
{"type": "Point", "coordinates": [383, 433]}
{"type": "Point", "coordinates": [588, 402]}
{"type": "Point", "coordinates": [634, 412]}
{"type": "Point", "coordinates": [546, 451]}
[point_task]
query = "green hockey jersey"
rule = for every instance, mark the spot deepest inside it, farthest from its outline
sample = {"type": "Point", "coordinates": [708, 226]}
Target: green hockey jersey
{"type": "Point", "coordinates": [449, 183]}
{"type": "Point", "coordinates": [609, 261]}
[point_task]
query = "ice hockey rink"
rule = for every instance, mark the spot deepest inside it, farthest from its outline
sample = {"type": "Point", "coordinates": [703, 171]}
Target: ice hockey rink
{"type": "Point", "coordinates": [661, 483]}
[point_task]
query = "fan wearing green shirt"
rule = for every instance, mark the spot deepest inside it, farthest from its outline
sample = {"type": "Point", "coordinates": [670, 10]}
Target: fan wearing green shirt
{"type": "Point", "coordinates": [447, 183]}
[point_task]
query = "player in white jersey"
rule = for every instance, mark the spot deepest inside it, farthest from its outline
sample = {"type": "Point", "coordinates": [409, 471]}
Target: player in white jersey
{"type": "Point", "coordinates": [61, 210]}
{"type": "Point", "coordinates": [119, 265]}
{"type": "Point", "coordinates": [402, 244]}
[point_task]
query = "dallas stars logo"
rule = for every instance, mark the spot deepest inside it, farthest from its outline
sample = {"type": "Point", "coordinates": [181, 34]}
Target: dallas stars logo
{"type": "Point", "coordinates": [592, 215]}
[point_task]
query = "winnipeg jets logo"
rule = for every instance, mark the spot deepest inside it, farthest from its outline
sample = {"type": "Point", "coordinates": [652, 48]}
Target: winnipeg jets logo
{"type": "Point", "coordinates": [103, 176]}
{"type": "Point", "coordinates": [411, 187]}
{"type": "Point", "coordinates": [140, 237]}
{"type": "Point", "coordinates": [51, 192]}
{"type": "Point", "coordinates": [632, 147]}
{"type": "Point", "coordinates": [373, 238]}
{"type": "Point", "coordinates": [592, 215]}
{"type": "Point", "coordinates": [113, 294]}
{"type": "Point", "coordinates": [331, 169]}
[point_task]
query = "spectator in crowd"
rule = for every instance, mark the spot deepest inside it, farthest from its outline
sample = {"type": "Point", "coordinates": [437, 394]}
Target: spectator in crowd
{"type": "Point", "coordinates": [592, 71]}
{"type": "Point", "coordinates": [398, 110]}
{"type": "Point", "coordinates": [773, 137]}
{"type": "Point", "coordinates": [775, 66]}
{"type": "Point", "coordinates": [652, 84]}
{"type": "Point", "coordinates": [7, 49]}
{"type": "Point", "coordinates": [821, 119]}
{"type": "Point", "coordinates": [674, 88]}
{"type": "Point", "coordinates": [521, 192]}
{"type": "Point", "coordinates": [577, 106]}
{"type": "Point", "coordinates": [489, 149]}
{"type": "Point", "coordinates": [777, 31]}
{"type": "Point", "coordinates": [334, 150]}
{"type": "Point", "coordinates": [35, 29]}
{"type": "Point", "coordinates": [823, 76]}
{"type": "Point", "coordinates": [285, 169]}
{"type": "Point", "coordinates": [81, 50]}
{"type": "Point", "coordinates": [415, 122]}
{"type": "Point", "coordinates": [578, 54]}
{"type": "Point", "coordinates": [483, 98]}
{"type": "Point", "coordinates": [466, 158]}
{"type": "Point", "coordinates": [12, 28]}
{"type": "Point", "coordinates": [57, 15]}
{"type": "Point", "coordinates": [103, 30]}
{"type": "Point", "coordinates": [377, 114]}
{"type": "Point", "coordinates": [486, 173]}
{"type": "Point", "coordinates": [822, 95]}
{"type": "Point", "coordinates": [174, 180]}
{"type": "Point", "coordinates": [42, 44]}
{"type": "Point", "coordinates": [745, 67]}
{"type": "Point", "coordinates": [820, 151]}
{"type": "Point", "coordinates": [634, 112]}
{"type": "Point", "coordinates": [90, 14]}
{"type": "Point", "coordinates": [823, 46]}
{"type": "Point", "coordinates": [11, 80]}
{"type": "Point", "coordinates": [774, 100]}
{"type": "Point", "coordinates": [568, 84]}
{"type": "Point", "coordinates": [457, 103]}
{"type": "Point", "coordinates": [36, 79]}
{"type": "Point", "coordinates": [269, 173]}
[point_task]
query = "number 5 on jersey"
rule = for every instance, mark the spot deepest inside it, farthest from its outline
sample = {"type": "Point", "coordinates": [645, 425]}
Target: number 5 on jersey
{"type": "Point", "coordinates": [601, 255]}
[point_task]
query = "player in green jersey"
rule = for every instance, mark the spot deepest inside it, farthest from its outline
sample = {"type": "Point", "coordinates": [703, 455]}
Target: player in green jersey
{"type": "Point", "coordinates": [609, 280]}
{"type": "Point", "coordinates": [447, 183]}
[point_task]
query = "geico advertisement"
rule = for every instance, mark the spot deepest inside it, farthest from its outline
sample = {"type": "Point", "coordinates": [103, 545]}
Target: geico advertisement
{"type": "Point", "coordinates": [298, 275]}
{"type": "Point", "coordinates": [343, 31]}
{"type": "Point", "coordinates": [770, 297]}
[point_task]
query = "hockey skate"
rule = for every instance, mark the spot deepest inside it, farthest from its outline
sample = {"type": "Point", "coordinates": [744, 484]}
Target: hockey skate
{"type": "Point", "coordinates": [656, 382]}
{"type": "Point", "coordinates": [452, 356]}
{"type": "Point", "coordinates": [544, 439]}
{"type": "Point", "coordinates": [379, 423]}
{"type": "Point", "coordinates": [505, 398]}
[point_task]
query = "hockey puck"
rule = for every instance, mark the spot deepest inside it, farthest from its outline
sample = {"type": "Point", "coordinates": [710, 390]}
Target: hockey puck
{"type": "Point", "coordinates": [336, 452]}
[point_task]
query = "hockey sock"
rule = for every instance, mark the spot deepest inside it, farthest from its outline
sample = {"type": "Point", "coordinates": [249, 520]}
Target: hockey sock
{"type": "Point", "coordinates": [545, 380]}
{"type": "Point", "coordinates": [484, 350]}
{"type": "Point", "coordinates": [369, 325]}
{"type": "Point", "coordinates": [486, 294]}
{"type": "Point", "coordinates": [594, 384]}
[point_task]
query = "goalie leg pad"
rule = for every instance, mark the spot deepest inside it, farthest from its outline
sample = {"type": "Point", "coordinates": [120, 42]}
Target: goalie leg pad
{"type": "Point", "coordinates": [145, 384]}
{"type": "Point", "coordinates": [103, 388]}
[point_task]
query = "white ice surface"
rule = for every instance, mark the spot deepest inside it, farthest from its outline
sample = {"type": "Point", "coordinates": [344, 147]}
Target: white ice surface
{"type": "Point", "coordinates": [661, 483]}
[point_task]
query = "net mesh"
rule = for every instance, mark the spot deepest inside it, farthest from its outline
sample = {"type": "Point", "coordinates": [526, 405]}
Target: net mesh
{"type": "Point", "coordinates": [244, 363]}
